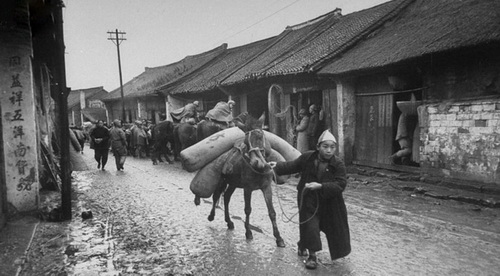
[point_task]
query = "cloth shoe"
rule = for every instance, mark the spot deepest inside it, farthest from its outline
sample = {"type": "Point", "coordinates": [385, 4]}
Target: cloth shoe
{"type": "Point", "coordinates": [312, 262]}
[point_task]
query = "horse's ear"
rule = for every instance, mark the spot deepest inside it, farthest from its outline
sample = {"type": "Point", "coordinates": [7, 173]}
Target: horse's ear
{"type": "Point", "coordinates": [262, 119]}
{"type": "Point", "coordinates": [240, 125]}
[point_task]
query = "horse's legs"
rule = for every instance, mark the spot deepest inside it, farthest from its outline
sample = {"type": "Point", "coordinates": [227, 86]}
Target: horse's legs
{"type": "Point", "coordinates": [268, 196]}
{"type": "Point", "coordinates": [248, 209]}
{"type": "Point", "coordinates": [215, 198]}
{"type": "Point", "coordinates": [227, 197]}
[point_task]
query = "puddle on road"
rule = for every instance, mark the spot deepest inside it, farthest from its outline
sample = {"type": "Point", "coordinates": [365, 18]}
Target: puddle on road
{"type": "Point", "coordinates": [91, 244]}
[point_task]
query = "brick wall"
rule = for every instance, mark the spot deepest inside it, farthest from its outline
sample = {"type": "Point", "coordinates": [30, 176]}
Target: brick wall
{"type": "Point", "coordinates": [462, 139]}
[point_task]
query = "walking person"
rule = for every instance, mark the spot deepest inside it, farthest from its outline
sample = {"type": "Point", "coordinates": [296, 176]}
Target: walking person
{"type": "Point", "coordinates": [301, 128]}
{"type": "Point", "coordinates": [320, 200]}
{"type": "Point", "coordinates": [118, 144]}
{"type": "Point", "coordinates": [100, 140]}
{"type": "Point", "coordinates": [312, 128]}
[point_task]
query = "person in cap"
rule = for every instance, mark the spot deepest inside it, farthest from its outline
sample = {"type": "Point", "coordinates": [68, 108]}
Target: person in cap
{"type": "Point", "coordinates": [321, 204]}
{"type": "Point", "coordinates": [118, 144]}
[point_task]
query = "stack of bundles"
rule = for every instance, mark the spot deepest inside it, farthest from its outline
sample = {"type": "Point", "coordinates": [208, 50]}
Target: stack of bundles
{"type": "Point", "coordinates": [209, 156]}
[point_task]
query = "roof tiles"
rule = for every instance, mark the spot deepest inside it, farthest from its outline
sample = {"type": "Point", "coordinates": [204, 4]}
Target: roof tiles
{"type": "Point", "coordinates": [302, 47]}
{"type": "Point", "coordinates": [425, 27]}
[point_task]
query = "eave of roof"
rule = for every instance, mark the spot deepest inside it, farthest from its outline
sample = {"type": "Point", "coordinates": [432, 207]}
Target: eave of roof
{"type": "Point", "coordinates": [425, 27]}
{"type": "Point", "coordinates": [147, 82]}
{"type": "Point", "coordinates": [301, 48]}
{"type": "Point", "coordinates": [210, 76]}
{"type": "Point", "coordinates": [74, 95]}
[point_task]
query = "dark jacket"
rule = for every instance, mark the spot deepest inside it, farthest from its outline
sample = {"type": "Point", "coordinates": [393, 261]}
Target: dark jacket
{"type": "Point", "coordinates": [332, 210]}
{"type": "Point", "coordinates": [100, 132]}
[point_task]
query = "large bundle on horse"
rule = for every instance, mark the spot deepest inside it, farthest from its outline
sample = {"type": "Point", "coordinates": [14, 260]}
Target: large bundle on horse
{"type": "Point", "coordinates": [283, 147]}
{"type": "Point", "coordinates": [200, 154]}
{"type": "Point", "coordinates": [206, 180]}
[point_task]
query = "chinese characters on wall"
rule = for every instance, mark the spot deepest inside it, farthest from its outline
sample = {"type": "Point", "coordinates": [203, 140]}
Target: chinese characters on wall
{"type": "Point", "coordinates": [19, 131]}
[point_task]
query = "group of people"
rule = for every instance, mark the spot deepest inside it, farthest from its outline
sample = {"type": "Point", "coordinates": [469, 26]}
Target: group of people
{"type": "Point", "coordinates": [102, 139]}
{"type": "Point", "coordinates": [308, 128]}
{"type": "Point", "coordinates": [139, 138]}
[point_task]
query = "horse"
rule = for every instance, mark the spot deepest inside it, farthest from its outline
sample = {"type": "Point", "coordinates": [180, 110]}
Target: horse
{"type": "Point", "coordinates": [184, 136]}
{"type": "Point", "coordinates": [247, 168]}
{"type": "Point", "coordinates": [162, 134]}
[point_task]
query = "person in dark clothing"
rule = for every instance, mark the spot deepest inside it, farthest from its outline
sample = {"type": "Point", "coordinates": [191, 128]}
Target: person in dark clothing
{"type": "Point", "coordinates": [312, 127]}
{"type": "Point", "coordinates": [118, 144]}
{"type": "Point", "coordinates": [100, 140]}
{"type": "Point", "coordinates": [320, 200]}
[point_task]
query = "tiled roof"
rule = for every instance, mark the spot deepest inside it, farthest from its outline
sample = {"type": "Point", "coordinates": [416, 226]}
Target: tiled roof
{"type": "Point", "coordinates": [155, 77]}
{"type": "Point", "coordinates": [425, 27]}
{"type": "Point", "coordinates": [209, 77]}
{"type": "Point", "coordinates": [90, 93]}
{"type": "Point", "coordinates": [304, 47]}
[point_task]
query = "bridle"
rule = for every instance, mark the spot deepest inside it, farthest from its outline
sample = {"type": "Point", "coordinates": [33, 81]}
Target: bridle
{"type": "Point", "coordinates": [251, 148]}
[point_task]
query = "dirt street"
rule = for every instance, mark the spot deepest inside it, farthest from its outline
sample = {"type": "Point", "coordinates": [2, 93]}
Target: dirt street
{"type": "Point", "coordinates": [145, 223]}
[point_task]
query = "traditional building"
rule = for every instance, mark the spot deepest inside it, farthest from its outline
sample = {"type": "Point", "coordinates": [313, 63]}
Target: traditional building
{"type": "Point", "coordinates": [438, 63]}
{"type": "Point", "coordinates": [140, 97]}
{"type": "Point", "coordinates": [84, 105]}
{"type": "Point", "coordinates": [282, 78]}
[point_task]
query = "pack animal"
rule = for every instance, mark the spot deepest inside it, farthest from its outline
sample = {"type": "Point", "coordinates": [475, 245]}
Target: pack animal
{"type": "Point", "coordinates": [246, 167]}
{"type": "Point", "coordinates": [162, 135]}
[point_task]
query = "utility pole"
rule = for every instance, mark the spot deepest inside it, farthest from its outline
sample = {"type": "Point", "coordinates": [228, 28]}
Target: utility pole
{"type": "Point", "coordinates": [117, 40]}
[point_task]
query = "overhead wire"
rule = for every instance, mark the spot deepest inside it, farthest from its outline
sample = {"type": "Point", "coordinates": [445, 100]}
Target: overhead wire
{"type": "Point", "coordinates": [256, 23]}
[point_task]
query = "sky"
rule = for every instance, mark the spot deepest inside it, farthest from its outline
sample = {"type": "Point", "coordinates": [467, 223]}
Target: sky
{"type": "Point", "coordinates": [161, 32]}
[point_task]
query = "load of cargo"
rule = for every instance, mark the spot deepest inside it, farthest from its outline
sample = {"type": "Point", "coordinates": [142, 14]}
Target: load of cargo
{"type": "Point", "coordinates": [211, 155]}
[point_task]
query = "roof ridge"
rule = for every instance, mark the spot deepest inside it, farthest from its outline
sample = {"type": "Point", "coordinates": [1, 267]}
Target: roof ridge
{"type": "Point", "coordinates": [368, 30]}
{"type": "Point", "coordinates": [211, 51]}
{"type": "Point", "coordinates": [327, 22]}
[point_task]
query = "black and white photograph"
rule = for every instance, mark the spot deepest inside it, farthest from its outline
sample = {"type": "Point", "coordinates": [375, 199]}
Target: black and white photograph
{"type": "Point", "coordinates": [245, 138]}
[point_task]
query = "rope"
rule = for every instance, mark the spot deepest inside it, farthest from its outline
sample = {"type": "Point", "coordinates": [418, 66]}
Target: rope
{"type": "Point", "coordinates": [289, 219]}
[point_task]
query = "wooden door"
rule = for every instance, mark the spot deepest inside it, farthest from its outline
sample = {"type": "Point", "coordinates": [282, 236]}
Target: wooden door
{"type": "Point", "coordinates": [374, 129]}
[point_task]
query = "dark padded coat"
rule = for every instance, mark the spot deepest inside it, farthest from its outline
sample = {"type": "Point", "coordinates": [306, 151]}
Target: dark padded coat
{"type": "Point", "coordinates": [332, 210]}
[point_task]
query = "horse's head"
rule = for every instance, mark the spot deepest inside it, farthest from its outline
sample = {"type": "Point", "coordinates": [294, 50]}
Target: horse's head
{"type": "Point", "coordinates": [255, 142]}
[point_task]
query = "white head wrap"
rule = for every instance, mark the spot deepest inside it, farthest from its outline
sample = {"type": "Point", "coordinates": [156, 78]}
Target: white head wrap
{"type": "Point", "coordinates": [326, 136]}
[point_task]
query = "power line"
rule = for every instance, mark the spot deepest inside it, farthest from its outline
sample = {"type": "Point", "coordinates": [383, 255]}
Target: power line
{"type": "Point", "coordinates": [222, 40]}
{"type": "Point", "coordinates": [117, 40]}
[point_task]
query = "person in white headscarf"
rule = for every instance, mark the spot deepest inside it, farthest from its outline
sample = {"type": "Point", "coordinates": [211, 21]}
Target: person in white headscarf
{"type": "Point", "coordinates": [321, 204]}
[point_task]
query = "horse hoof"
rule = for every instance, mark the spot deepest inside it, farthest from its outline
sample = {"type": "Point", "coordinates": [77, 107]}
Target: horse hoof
{"type": "Point", "coordinates": [280, 243]}
{"type": "Point", "coordinates": [210, 218]}
{"type": "Point", "coordinates": [230, 225]}
{"type": "Point", "coordinates": [249, 236]}
{"type": "Point", "coordinates": [197, 201]}
{"type": "Point", "coordinates": [155, 163]}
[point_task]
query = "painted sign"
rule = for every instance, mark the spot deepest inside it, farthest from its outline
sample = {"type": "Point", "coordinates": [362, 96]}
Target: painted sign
{"type": "Point", "coordinates": [19, 125]}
